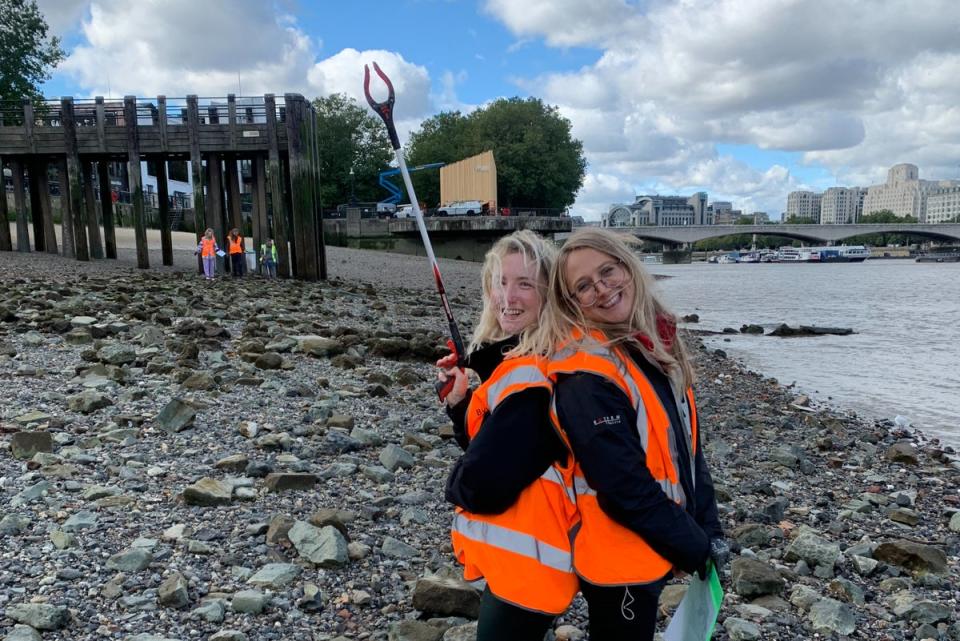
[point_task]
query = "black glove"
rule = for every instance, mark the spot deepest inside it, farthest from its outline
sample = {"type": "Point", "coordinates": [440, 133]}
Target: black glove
{"type": "Point", "coordinates": [719, 554]}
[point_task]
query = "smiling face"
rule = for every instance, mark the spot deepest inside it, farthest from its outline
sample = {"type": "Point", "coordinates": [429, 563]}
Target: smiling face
{"type": "Point", "coordinates": [584, 274]}
{"type": "Point", "coordinates": [517, 298]}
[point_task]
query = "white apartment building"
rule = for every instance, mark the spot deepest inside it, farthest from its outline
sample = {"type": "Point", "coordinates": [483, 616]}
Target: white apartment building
{"type": "Point", "coordinates": [904, 193]}
{"type": "Point", "coordinates": [841, 205]}
{"type": "Point", "coordinates": [943, 205]}
{"type": "Point", "coordinates": [803, 204]}
{"type": "Point", "coordinates": [658, 210]}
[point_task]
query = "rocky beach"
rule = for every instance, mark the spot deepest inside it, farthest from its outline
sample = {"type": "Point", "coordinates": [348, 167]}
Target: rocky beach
{"type": "Point", "coordinates": [254, 459]}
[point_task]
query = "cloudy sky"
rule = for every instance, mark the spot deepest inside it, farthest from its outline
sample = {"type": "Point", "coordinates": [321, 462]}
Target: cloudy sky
{"type": "Point", "coordinates": [745, 99]}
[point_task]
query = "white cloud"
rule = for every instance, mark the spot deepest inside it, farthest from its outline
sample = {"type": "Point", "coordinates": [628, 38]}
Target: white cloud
{"type": "Point", "coordinates": [854, 86]}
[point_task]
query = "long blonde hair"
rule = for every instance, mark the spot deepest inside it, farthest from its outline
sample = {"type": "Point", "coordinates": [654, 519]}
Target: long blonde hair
{"type": "Point", "coordinates": [564, 316]}
{"type": "Point", "coordinates": [535, 250]}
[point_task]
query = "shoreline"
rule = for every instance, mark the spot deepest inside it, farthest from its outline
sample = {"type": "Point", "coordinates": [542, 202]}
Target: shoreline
{"type": "Point", "coordinates": [808, 494]}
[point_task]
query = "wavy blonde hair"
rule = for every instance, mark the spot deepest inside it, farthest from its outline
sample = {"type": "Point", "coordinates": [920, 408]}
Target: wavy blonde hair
{"type": "Point", "coordinates": [564, 317]}
{"type": "Point", "coordinates": [535, 250]}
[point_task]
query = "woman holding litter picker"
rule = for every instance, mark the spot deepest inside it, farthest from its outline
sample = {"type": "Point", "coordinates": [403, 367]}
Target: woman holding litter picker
{"type": "Point", "coordinates": [624, 403]}
{"type": "Point", "coordinates": [514, 510]}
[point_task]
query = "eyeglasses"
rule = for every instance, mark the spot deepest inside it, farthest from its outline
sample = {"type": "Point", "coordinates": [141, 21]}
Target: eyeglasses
{"type": "Point", "coordinates": [612, 276]}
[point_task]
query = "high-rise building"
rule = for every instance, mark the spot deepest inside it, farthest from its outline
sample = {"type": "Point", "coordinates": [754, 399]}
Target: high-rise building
{"type": "Point", "coordinates": [904, 193]}
{"type": "Point", "coordinates": [803, 204]}
{"type": "Point", "coordinates": [841, 205]}
{"type": "Point", "coordinates": [943, 205]}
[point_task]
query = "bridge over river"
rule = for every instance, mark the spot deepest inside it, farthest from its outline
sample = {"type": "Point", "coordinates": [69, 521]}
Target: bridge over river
{"type": "Point", "coordinates": [818, 234]}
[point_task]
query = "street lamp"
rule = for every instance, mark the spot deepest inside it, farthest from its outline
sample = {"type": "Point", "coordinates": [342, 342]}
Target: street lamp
{"type": "Point", "coordinates": [353, 198]}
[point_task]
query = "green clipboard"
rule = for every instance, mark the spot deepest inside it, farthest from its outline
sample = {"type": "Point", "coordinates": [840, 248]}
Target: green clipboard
{"type": "Point", "coordinates": [697, 613]}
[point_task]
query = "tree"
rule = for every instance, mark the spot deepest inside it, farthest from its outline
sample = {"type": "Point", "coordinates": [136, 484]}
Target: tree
{"type": "Point", "coordinates": [446, 137]}
{"type": "Point", "coordinates": [538, 163]}
{"type": "Point", "coordinates": [350, 137]}
{"type": "Point", "coordinates": [885, 216]}
{"type": "Point", "coordinates": [27, 53]}
{"type": "Point", "coordinates": [800, 220]}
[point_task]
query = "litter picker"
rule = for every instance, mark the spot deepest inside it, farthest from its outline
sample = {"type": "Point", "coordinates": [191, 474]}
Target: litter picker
{"type": "Point", "coordinates": [385, 111]}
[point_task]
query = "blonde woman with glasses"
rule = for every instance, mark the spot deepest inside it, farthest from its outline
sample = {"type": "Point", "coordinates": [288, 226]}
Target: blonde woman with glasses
{"type": "Point", "coordinates": [514, 511]}
{"type": "Point", "coordinates": [623, 402]}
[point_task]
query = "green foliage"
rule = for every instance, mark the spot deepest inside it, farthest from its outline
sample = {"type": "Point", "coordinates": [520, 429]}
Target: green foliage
{"type": "Point", "coordinates": [350, 136]}
{"type": "Point", "coordinates": [27, 53]}
{"type": "Point", "coordinates": [885, 216]}
{"type": "Point", "coordinates": [743, 241]}
{"type": "Point", "coordinates": [538, 163]}
{"type": "Point", "coordinates": [798, 220]}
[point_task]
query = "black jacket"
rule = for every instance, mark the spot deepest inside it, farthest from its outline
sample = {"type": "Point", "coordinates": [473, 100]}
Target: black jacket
{"type": "Point", "coordinates": [515, 445]}
{"type": "Point", "coordinates": [614, 463]}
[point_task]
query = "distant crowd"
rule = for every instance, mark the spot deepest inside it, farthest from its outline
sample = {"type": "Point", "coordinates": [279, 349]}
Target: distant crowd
{"type": "Point", "coordinates": [235, 256]}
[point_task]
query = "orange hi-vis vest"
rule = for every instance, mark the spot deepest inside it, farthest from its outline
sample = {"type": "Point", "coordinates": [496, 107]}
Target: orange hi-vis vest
{"type": "Point", "coordinates": [524, 552]}
{"type": "Point", "coordinates": [605, 552]}
{"type": "Point", "coordinates": [235, 245]}
{"type": "Point", "coordinates": [208, 247]}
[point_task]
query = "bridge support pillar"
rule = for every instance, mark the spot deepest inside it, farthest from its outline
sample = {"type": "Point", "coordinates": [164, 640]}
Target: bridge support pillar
{"type": "Point", "coordinates": [163, 206]}
{"type": "Point", "coordinates": [6, 242]}
{"type": "Point", "coordinates": [106, 209]}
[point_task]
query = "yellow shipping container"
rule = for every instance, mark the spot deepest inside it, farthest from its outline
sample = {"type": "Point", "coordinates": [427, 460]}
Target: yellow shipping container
{"type": "Point", "coordinates": [473, 178]}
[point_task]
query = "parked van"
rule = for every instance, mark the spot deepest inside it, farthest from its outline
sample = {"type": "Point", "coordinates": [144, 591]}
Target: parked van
{"type": "Point", "coordinates": [404, 211]}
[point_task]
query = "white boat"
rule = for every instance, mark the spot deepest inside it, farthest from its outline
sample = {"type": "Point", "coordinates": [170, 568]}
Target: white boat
{"type": "Point", "coordinates": [799, 255]}
{"type": "Point", "coordinates": [728, 259]}
{"type": "Point", "coordinates": [752, 257]}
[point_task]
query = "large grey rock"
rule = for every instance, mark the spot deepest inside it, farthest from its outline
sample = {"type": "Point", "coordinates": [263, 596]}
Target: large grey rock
{"type": "Point", "coordinates": [751, 578]}
{"type": "Point", "coordinates": [409, 630]}
{"type": "Point", "coordinates": [199, 381]}
{"type": "Point", "coordinates": [23, 445]}
{"type": "Point", "coordinates": [176, 416]}
{"type": "Point", "coordinates": [88, 401]}
{"type": "Point", "coordinates": [814, 549]}
{"type": "Point", "coordinates": [323, 546]}
{"type": "Point", "coordinates": [394, 457]}
{"type": "Point", "coordinates": [446, 597]}
{"type": "Point", "coordinates": [117, 354]}
{"type": "Point", "coordinates": [912, 556]}
{"type": "Point", "coordinates": [269, 360]}
{"type": "Point", "coordinates": [228, 635]}
{"type": "Point", "coordinates": [12, 524]}
{"type": "Point", "coordinates": [212, 611]}
{"type": "Point", "coordinates": [208, 491]}
{"type": "Point", "coordinates": [283, 481]}
{"type": "Point", "coordinates": [132, 560]}
{"type": "Point", "coordinates": [173, 591]}
{"type": "Point", "coordinates": [903, 452]}
{"type": "Point", "coordinates": [82, 520]}
{"type": "Point", "coordinates": [275, 575]}
{"type": "Point", "coordinates": [397, 549]}
{"type": "Point", "coordinates": [741, 629]}
{"type": "Point", "coordinates": [955, 522]}
{"type": "Point", "coordinates": [42, 616]}
{"type": "Point", "coordinates": [319, 346]}
{"type": "Point", "coordinates": [23, 633]}
{"type": "Point", "coordinates": [249, 601]}
{"type": "Point", "coordinates": [828, 616]}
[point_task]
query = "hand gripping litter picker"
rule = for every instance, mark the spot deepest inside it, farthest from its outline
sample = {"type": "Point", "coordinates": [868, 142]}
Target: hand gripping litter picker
{"type": "Point", "coordinates": [385, 111]}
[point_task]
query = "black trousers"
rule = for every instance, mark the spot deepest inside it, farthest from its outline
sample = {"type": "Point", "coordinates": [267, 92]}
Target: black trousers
{"type": "Point", "coordinates": [237, 264]}
{"type": "Point", "coordinates": [622, 613]}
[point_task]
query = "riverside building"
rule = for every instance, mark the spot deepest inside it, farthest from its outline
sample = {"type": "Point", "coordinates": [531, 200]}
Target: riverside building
{"type": "Point", "coordinates": [943, 205]}
{"type": "Point", "coordinates": [841, 205]}
{"type": "Point", "coordinates": [803, 204]}
{"type": "Point", "coordinates": [904, 193]}
{"type": "Point", "coordinates": [663, 211]}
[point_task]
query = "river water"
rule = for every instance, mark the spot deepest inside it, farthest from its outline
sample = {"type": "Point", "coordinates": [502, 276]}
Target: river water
{"type": "Point", "coordinates": [904, 359]}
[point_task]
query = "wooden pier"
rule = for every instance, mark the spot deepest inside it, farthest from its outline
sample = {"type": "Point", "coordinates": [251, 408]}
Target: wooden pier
{"type": "Point", "coordinates": [80, 137]}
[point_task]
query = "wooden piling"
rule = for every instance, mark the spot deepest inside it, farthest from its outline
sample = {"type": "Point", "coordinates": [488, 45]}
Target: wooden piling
{"type": "Point", "coordinates": [46, 210]}
{"type": "Point", "coordinates": [215, 216]}
{"type": "Point", "coordinates": [321, 248]}
{"type": "Point", "coordinates": [276, 182]}
{"type": "Point", "coordinates": [90, 199]}
{"type": "Point", "coordinates": [6, 241]}
{"type": "Point", "coordinates": [299, 148]}
{"type": "Point", "coordinates": [136, 182]}
{"type": "Point", "coordinates": [20, 206]}
{"type": "Point", "coordinates": [261, 230]}
{"type": "Point", "coordinates": [73, 190]}
{"type": "Point", "coordinates": [106, 208]}
{"type": "Point", "coordinates": [66, 210]}
{"type": "Point", "coordinates": [233, 193]}
{"type": "Point", "coordinates": [163, 205]}
{"type": "Point", "coordinates": [196, 172]}
{"type": "Point", "coordinates": [36, 215]}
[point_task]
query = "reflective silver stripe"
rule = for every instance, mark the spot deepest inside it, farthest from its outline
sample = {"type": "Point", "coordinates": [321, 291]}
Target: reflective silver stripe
{"type": "Point", "coordinates": [512, 541]}
{"type": "Point", "coordinates": [643, 429]}
{"type": "Point", "coordinates": [582, 488]}
{"type": "Point", "coordinates": [522, 374]}
{"type": "Point", "coordinates": [674, 492]}
{"type": "Point", "coordinates": [552, 475]}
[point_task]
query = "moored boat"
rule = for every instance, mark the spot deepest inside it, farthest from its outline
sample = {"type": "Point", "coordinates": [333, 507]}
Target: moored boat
{"type": "Point", "coordinates": [939, 258]}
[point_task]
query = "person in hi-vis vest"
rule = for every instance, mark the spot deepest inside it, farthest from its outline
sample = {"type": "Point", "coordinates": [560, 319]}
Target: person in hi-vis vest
{"type": "Point", "coordinates": [623, 403]}
{"type": "Point", "coordinates": [235, 250]}
{"type": "Point", "coordinates": [268, 258]}
{"type": "Point", "coordinates": [207, 248]}
{"type": "Point", "coordinates": [514, 512]}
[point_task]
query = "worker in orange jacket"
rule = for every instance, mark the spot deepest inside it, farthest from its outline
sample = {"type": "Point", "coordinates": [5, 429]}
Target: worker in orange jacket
{"type": "Point", "coordinates": [236, 251]}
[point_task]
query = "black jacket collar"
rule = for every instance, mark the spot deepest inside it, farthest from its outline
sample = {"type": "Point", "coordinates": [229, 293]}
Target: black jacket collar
{"type": "Point", "coordinates": [487, 357]}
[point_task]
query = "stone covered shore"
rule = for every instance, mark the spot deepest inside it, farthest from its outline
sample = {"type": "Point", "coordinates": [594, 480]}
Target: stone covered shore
{"type": "Point", "coordinates": [266, 460]}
